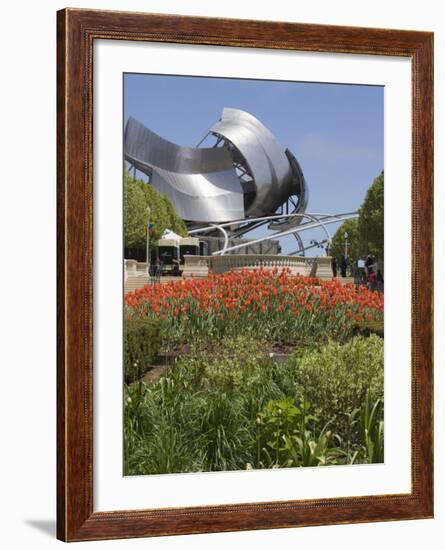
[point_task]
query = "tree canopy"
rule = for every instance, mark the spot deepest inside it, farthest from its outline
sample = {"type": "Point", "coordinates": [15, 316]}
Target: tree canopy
{"type": "Point", "coordinates": [371, 219]}
{"type": "Point", "coordinates": [138, 196]}
{"type": "Point", "coordinates": [337, 248]}
{"type": "Point", "coordinates": [365, 233]}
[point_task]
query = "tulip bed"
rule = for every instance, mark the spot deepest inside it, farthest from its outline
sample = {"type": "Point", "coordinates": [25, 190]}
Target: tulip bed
{"type": "Point", "coordinates": [226, 403]}
{"type": "Point", "coordinates": [269, 304]}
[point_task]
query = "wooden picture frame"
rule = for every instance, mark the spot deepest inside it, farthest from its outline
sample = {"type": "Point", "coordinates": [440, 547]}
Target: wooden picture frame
{"type": "Point", "coordinates": [77, 31]}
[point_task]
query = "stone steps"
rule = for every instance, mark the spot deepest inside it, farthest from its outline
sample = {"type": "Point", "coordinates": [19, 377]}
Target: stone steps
{"type": "Point", "coordinates": [132, 283]}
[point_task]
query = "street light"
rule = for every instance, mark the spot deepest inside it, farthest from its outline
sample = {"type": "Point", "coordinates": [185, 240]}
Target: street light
{"type": "Point", "coordinates": [346, 244]}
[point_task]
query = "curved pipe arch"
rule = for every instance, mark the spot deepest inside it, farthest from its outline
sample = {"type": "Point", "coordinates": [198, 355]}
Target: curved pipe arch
{"type": "Point", "coordinates": [317, 220]}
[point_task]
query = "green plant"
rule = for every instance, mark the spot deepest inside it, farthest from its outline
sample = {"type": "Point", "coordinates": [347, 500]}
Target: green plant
{"type": "Point", "coordinates": [366, 328]}
{"type": "Point", "coordinates": [371, 429]}
{"type": "Point", "coordinates": [229, 406]}
{"type": "Point", "coordinates": [142, 341]}
{"type": "Point", "coordinates": [371, 218]}
{"type": "Point", "coordinates": [355, 246]}
{"type": "Point", "coordinates": [201, 413]}
{"type": "Point", "coordinates": [347, 442]}
{"type": "Point", "coordinates": [336, 377]}
{"type": "Point", "coordinates": [279, 420]}
{"type": "Point", "coordinates": [225, 437]}
{"type": "Point", "coordinates": [138, 196]}
{"type": "Point", "coordinates": [285, 438]}
{"type": "Point", "coordinates": [135, 213]}
{"type": "Point", "coordinates": [159, 420]}
{"type": "Point", "coordinates": [268, 305]}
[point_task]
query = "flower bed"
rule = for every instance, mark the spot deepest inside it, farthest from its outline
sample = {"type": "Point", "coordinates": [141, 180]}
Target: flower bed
{"type": "Point", "coordinates": [268, 304]}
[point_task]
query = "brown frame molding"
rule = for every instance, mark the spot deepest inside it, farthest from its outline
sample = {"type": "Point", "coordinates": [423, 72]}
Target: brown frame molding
{"type": "Point", "coordinates": [76, 32]}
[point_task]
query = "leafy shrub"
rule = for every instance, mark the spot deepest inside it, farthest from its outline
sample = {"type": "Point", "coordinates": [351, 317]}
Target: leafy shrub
{"type": "Point", "coordinates": [142, 341]}
{"type": "Point", "coordinates": [336, 377]}
{"type": "Point", "coordinates": [202, 413]}
{"type": "Point", "coordinates": [230, 408]}
{"type": "Point", "coordinates": [366, 328]}
{"type": "Point", "coordinates": [286, 440]}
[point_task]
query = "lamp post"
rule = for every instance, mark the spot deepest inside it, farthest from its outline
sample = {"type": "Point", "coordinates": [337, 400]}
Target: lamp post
{"type": "Point", "coordinates": [147, 250]}
{"type": "Point", "coordinates": [346, 244]}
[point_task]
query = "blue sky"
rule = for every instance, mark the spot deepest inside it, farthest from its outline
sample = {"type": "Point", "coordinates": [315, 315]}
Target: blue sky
{"type": "Point", "coordinates": [334, 130]}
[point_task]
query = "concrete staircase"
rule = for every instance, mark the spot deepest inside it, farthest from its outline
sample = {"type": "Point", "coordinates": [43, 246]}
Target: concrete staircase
{"type": "Point", "coordinates": [132, 283]}
{"type": "Point", "coordinates": [135, 275]}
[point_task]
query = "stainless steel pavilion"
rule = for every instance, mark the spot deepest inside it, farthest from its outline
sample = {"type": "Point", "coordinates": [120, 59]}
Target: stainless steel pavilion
{"type": "Point", "coordinates": [247, 179]}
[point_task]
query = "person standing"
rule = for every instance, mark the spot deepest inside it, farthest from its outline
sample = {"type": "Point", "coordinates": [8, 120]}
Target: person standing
{"type": "Point", "coordinates": [380, 281]}
{"type": "Point", "coordinates": [356, 274]}
{"type": "Point", "coordinates": [369, 262]}
{"type": "Point", "coordinates": [372, 280]}
{"type": "Point", "coordinates": [334, 267]}
{"type": "Point", "coordinates": [343, 266]}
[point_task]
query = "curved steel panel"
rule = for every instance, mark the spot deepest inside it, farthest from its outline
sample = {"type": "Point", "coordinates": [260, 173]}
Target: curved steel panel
{"type": "Point", "coordinates": [265, 157]}
{"type": "Point", "coordinates": [202, 197]}
{"type": "Point", "coordinates": [301, 187]}
{"type": "Point", "coordinates": [202, 183]}
{"type": "Point", "coordinates": [143, 146]}
{"type": "Point", "coordinates": [301, 191]}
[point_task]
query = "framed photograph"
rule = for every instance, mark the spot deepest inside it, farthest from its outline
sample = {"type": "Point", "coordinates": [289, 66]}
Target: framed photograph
{"type": "Point", "coordinates": [245, 275]}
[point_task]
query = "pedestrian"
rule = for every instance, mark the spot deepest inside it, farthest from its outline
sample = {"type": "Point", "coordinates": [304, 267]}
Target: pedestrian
{"type": "Point", "coordinates": [343, 266]}
{"type": "Point", "coordinates": [159, 270]}
{"type": "Point", "coordinates": [369, 262]}
{"type": "Point", "coordinates": [334, 266]}
{"type": "Point", "coordinates": [380, 281]}
{"type": "Point", "coordinates": [372, 280]}
{"type": "Point", "coordinates": [356, 274]}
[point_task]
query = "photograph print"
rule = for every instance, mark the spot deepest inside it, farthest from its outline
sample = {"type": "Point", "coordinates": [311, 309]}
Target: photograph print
{"type": "Point", "coordinates": [253, 254]}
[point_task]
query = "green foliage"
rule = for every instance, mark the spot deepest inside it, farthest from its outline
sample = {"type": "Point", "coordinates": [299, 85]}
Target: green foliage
{"type": "Point", "coordinates": [355, 247]}
{"type": "Point", "coordinates": [371, 429]}
{"type": "Point", "coordinates": [236, 409]}
{"type": "Point", "coordinates": [371, 219]}
{"type": "Point", "coordinates": [156, 429]}
{"type": "Point", "coordinates": [365, 233]}
{"type": "Point", "coordinates": [139, 195]}
{"type": "Point", "coordinates": [366, 328]}
{"type": "Point", "coordinates": [176, 223]}
{"type": "Point", "coordinates": [276, 424]}
{"type": "Point", "coordinates": [285, 438]}
{"type": "Point", "coordinates": [135, 214]}
{"type": "Point", "coordinates": [336, 377]}
{"type": "Point", "coordinates": [142, 341]}
{"type": "Point", "coordinates": [199, 410]}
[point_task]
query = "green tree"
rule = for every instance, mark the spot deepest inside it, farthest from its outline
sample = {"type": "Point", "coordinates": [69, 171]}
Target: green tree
{"type": "Point", "coordinates": [355, 248]}
{"type": "Point", "coordinates": [139, 195]}
{"type": "Point", "coordinates": [371, 219]}
{"type": "Point", "coordinates": [365, 233]}
{"type": "Point", "coordinates": [158, 211]}
{"type": "Point", "coordinates": [135, 214]}
{"type": "Point", "coordinates": [176, 223]}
